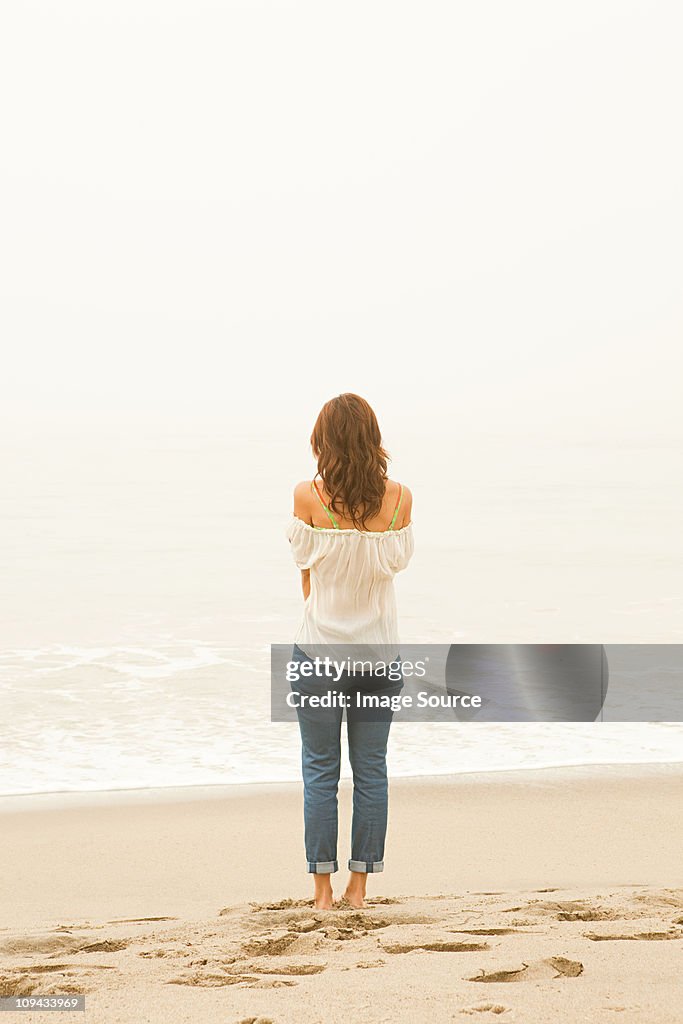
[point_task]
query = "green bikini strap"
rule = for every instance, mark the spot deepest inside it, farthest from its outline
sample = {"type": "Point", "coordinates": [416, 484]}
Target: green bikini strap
{"type": "Point", "coordinates": [398, 505]}
{"type": "Point", "coordinates": [335, 524]}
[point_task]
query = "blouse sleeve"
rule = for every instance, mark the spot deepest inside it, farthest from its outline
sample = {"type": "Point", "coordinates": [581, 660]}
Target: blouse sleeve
{"type": "Point", "coordinates": [402, 548]}
{"type": "Point", "coordinates": [306, 543]}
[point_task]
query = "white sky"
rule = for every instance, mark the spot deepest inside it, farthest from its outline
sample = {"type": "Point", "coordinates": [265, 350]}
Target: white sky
{"type": "Point", "coordinates": [465, 211]}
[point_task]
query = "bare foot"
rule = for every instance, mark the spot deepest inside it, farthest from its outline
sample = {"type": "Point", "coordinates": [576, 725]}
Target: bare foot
{"type": "Point", "coordinates": [355, 890]}
{"type": "Point", "coordinates": [354, 899]}
{"type": "Point", "coordinates": [323, 899]}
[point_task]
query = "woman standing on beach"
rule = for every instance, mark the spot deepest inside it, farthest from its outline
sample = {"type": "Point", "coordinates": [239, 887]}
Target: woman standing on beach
{"type": "Point", "coordinates": [350, 534]}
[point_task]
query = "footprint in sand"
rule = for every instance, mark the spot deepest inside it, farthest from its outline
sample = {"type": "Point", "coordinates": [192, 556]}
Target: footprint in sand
{"type": "Point", "coordinates": [667, 898]}
{"type": "Point", "coordinates": [342, 934]}
{"type": "Point", "coordinates": [17, 986]}
{"type": "Point", "coordinates": [500, 977]}
{"type": "Point", "coordinates": [551, 968]}
{"type": "Point", "coordinates": [26, 983]}
{"type": "Point", "coordinates": [140, 920]}
{"type": "Point", "coordinates": [58, 945]}
{"type": "Point", "coordinates": [51, 968]}
{"type": "Point", "coordinates": [289, 943]}
{"type": "Point", "coordinates": [488, 931]}
{"type": "Point", "coordinates": [158, 954]}
{"type": "Point", "coordinates": [205, 979]}
{"type": "Point", "coordinates": [30, 945]}
{"type": "Point", "coordinates": [496, 1008]}
{"type": "Point", "coordinates": [270, 947]}
{"type": "Point", "coordinates": [593, 914]}
{"type": "Point", "coordinates": [105, 946]}
{"type": "Point", "coordinates": [639, 936]}
{"type": "Point", "coordinates": [221, 979]}
{"type": "Point", "coordinates": [436, 947]}
{"type": "Point", "coordinates": [570, 910]}
{"type": "Point", "coordinates": [275, 983]}
{"type": "Point", "coordinates": [302, 970]}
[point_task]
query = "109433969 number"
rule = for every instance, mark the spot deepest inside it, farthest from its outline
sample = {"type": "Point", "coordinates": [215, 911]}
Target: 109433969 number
{"type": "Point", "coordinates": [35, 1002]}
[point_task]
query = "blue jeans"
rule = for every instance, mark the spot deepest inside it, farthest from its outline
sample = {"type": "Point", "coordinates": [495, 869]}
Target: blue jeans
{"type": "Point", "coordinates": [321, 761]}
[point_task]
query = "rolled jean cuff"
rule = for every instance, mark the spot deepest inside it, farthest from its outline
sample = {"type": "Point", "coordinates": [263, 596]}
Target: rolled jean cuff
{"type": "Point", "coordinates": [366, 866]}
{"type": "Point", "coordinates": [322, 867]}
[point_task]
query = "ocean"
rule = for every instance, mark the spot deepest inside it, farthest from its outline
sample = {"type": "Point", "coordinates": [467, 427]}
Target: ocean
{"type": "Point", "coordinates": [147, 572]}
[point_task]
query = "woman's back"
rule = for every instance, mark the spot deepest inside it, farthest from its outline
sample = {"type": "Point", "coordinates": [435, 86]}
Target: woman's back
{"type": "Point", "coordinates": [351, 598]}
{"type": "Point", "coordinates": [312, 505]}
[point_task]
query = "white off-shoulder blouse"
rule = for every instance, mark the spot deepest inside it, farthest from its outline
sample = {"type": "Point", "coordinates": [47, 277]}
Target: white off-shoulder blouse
{"type": "Point", "coordinates": [352, 598]}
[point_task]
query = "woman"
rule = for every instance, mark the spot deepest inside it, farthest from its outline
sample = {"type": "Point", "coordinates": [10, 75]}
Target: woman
{"type": "Point", "coordinates": [351, 533]}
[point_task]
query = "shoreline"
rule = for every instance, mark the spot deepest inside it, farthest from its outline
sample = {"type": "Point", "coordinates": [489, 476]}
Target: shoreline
{"type": "Point", "coordinates": [63, 799]}
{"type": "Point", "coordinates": [187, 852]}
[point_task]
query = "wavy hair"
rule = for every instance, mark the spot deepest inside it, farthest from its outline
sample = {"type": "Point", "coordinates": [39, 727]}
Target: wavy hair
{"type": "Point", "coordinates": [352, 463]}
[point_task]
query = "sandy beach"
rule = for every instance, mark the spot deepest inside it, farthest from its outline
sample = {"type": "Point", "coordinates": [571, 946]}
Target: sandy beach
{"type": "Point", "coordinates": [349, 275]}
{"type": "Point", "coordinates": [547, 895]}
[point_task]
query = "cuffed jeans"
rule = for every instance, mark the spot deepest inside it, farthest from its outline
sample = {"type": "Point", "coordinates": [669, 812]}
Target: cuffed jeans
{"type": "Point", "coordinates": [321, 761]}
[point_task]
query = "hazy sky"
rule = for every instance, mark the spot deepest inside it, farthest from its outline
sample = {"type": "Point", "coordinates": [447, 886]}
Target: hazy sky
{"type": "Point", "coordinates": [467, 211]}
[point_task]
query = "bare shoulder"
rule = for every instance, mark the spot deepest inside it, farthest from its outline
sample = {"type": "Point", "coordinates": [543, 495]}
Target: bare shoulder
{"type": "Point", "coordinates": [302, 489]}
{"type": "Point", "coordinates": [396, 491]}
{"type": "Point", "coordinates": [302, 500]}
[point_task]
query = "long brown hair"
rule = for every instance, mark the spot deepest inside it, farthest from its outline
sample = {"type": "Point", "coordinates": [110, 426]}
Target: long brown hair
{"type": "Point", "coordinates": [347, 443]}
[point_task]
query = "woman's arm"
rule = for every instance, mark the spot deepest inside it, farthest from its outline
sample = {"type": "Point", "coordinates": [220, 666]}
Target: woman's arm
{"type": "Point", "coordinates": [302, 510]}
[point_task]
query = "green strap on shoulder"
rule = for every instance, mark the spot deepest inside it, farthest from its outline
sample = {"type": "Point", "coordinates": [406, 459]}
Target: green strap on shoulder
{"type": "Point", "coordinates": [334, 522]}
{"type": "Point", "coordinates": [398, 505]}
